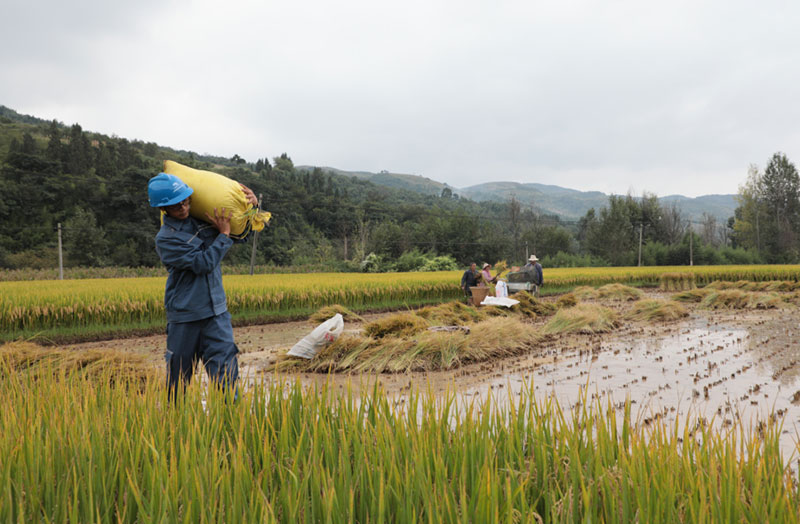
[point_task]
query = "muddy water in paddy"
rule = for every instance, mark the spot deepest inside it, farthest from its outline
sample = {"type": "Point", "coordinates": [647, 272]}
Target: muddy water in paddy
{"type": "Point", "coordinates": [719, 365]}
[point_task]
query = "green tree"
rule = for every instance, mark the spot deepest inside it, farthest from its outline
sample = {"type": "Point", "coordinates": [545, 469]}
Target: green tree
{"type": "Point", "coordinates": [768, 216]}
{"type": "Point", "coordinates": [54, 141]}
{"type": "Point", "coordinates": [85, 242]}
{"type": "Point", "coordinates": [781, 193]}
{"type": "Point", "coordinates": [611, 236]}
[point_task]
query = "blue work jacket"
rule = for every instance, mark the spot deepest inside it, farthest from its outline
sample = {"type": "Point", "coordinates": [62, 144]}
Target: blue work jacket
{"type": "Point", "coordinates": [192, 251]}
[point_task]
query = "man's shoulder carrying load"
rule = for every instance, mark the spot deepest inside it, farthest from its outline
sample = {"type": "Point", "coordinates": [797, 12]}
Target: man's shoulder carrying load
{"type": "Point", "coordinates": [212, 190]}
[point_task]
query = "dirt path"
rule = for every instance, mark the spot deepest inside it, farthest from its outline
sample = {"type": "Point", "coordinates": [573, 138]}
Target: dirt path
{"type": "Point", "coordinates": [719, 365]}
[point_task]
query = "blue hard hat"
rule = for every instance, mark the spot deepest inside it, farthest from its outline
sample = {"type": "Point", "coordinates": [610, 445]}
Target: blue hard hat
{"type": "Point", "coordinates": [165, 190]}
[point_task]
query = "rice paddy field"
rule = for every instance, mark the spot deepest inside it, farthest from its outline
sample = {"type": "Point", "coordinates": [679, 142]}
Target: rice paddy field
{"type": "Point", "coordinates": [630, 395]}
{"type": "Point", "coordinates": [104, 308]}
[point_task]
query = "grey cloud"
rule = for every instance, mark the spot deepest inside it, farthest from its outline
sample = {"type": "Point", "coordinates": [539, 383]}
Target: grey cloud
{"type": "Point", "coordinates": [680, 97]}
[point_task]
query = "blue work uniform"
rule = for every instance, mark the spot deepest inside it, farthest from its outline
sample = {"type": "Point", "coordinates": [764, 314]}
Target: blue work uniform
{"type": "Point", "coordinates": [198, 322]}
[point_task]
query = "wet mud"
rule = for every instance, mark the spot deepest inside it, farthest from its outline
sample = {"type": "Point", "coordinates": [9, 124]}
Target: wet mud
{"type": "Point", "coordinates": [717, 367]}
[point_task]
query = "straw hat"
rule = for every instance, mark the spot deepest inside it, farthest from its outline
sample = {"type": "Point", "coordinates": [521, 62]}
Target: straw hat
{"type": "Point", "coordinates": [485, 265]}
{"type": "Point", "coordinates": [533, 258]}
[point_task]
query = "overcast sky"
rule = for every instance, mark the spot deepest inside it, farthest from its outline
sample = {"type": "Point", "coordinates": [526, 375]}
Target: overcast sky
{"type": "Point", "coordinates": [615, 96]}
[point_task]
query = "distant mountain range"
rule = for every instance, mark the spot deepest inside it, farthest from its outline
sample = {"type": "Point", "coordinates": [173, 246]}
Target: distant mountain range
{"type": "Point", "coordinates": [549, 199]}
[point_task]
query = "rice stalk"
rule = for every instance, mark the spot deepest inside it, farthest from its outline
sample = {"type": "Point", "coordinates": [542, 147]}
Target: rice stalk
{"type": "Point", "coordinates": [566, 300]}
{"type": "Point", "coordinates": [94, 363]}
{"type": "Point", "coordinates": [656, 311]}
{"type": "Point", "coordinates": [76, 450]}
{"type": "Point", "coordinates": [424, 351]}
{"type": "Point", "coordinates": [398, 324]}
{"type": "Point", "coordinates": [532, 307]}
{"type": "Point", "coordinates": [618, 292]}
{"type": "Point", "coordinates": [584, 292]}
{"type": "Point", "coordinates": [692, 295]}
{"type": "Point", "coordinates": [677, 281]}
{"type": "Point", "coordinates": [583, 318]}
{"type": "Point", "coordinates": [453, 314]}
{"type": "Point", "coordinates": [328, 312]}
{"type": "Point", "coordinates": [738, 299]}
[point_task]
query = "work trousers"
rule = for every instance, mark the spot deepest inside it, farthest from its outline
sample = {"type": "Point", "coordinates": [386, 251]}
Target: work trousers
{"type": "Point", "coordinates": [209, 340]}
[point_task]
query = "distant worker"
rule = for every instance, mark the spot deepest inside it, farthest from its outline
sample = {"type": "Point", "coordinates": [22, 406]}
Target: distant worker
{"type": "Point", "coordinates": [198, 322]}
{"type": "Point", "coordinates": [486, 275]}
{"type": "Point", "coordinates": [535, 267]}
{"type": "Point", "coordinates": [469, 280]}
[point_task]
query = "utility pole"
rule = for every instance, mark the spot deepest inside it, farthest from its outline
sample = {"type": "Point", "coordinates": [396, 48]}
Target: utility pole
{"type": "Point", "coordinates": [527, 256]}
{"type": "Point", "coordinates": [758, 236]}
{"type": "Point", "coordinates": [641, 227]}
{"type": "Point", "coordinates": [255, 239]}
{"type": "Point", "coordinates": [691, 246]}
{"type": "Point", "coordinates": [60, 256]}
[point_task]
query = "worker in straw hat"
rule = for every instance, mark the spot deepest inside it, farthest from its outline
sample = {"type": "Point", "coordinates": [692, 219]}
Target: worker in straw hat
{"type": "Point", "coordinates": [486, 275]}
{"type": "Point", "coordinates": [198, 322]}
{"type": "Point", "coordinates": [535, 267]}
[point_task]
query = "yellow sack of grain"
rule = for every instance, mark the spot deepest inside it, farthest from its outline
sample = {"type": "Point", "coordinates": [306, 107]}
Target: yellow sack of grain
{"type": "Point", "coordinates": [212, 190]}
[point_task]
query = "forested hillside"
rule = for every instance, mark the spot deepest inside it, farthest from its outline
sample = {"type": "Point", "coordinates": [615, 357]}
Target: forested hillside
{"type": "Point", "coordinates": [96, 187]}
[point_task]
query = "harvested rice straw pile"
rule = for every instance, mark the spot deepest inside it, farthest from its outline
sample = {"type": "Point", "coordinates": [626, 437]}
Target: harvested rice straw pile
{"type": "Point", "coordinates": [453, 314]}
{"type": "Point", "coordinates": [566, 300]}
{"type": "Point", "coordinates": [96, 363]}
{"type": "Point", "coordinates": [745, 285]}
{"type": "Point", "coordinates": [584, 292]}
{"type": "Point", "coordinates": [583, 318]}
{"type": "Point", "coordinates": [656, 310]}
{"type": "Point", "coordinates": [693, 295]}
{"type": "Point", "coordinates": [402, 342]}
{"type": "Point", "coordinates": [618, 292]}
{"type": "Point", "coordinates": [425, 351]}
{"type": "Point", "coordinates": [738, 299]}
{"type": "Point", "coordinates": [327, 312]}
{"type": "Point", "coordinates": [608, 292]}
{"type": "Point", "coordinates": [397, 325]}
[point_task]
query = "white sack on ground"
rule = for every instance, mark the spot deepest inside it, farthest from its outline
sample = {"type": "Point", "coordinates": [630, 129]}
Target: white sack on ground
{"type": "Point", "coordinates": [499, 301]}
{"type": "Point", "coordinates": [322, 335]}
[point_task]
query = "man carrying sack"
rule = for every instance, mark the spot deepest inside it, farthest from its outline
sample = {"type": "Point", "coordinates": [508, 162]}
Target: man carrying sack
{"type": "Point", "coordinates": [198, 322]}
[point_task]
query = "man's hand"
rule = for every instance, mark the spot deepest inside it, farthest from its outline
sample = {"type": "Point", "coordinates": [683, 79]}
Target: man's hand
{"type": "Point", "coordinates": [251, 197]}
{"type": "Point", "coordinates": [221, 222]}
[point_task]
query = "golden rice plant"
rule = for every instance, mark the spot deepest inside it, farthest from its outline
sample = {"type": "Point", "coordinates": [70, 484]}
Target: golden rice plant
{"type": "Point", "coordinates": [108, 306]}
{"type": "Point", "coordinates": [677, 281]}
{"type": "Point", "coordinates": [76, 450]}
